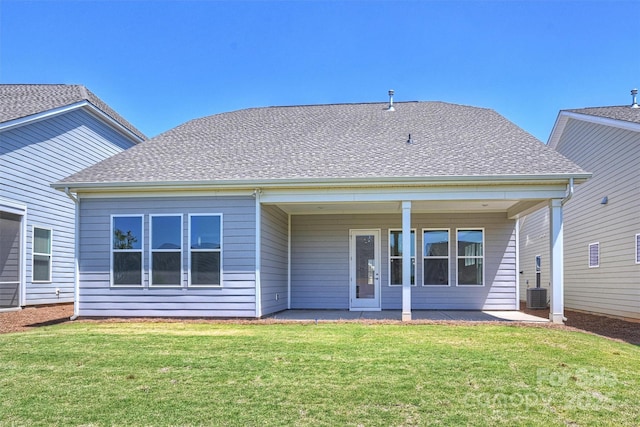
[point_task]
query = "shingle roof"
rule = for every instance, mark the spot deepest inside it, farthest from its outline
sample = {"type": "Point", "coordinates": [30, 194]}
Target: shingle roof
{"type": "Point", "coordinates": [624, 113]}
{"type": "Point", "coordinates": [324, 142]}
{"type": "Point", "coordinates": [23, 100]}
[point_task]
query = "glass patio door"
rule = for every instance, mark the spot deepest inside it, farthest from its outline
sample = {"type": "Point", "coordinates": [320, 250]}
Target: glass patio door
{"type": "Point", "coordinates": [364, 270]}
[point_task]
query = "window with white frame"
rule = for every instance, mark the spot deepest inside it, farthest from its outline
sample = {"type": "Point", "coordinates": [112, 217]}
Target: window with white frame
{"type": "Point", "coordinates": [126, 250]}
{"type": "Point", "coordinates": [637, 248]}
{"type": "Point", "coordinates": [166, 250]}
{"type": "Point", "coordinates": [470, 257]}
{"type": "Point", "coordinates": [594, 255]}
{"type": "Point", "coordinates": [42, 254]}
{"type": "Point", "coordinates": [395, 257]}
{"type": "Point", "coordinates": [205, 250]}
{"type": "Point", "coordinates": [435, 257]}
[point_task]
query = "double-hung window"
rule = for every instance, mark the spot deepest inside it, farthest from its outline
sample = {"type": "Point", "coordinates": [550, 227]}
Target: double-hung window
{"type": "Point", "coordinates": [42, 254]}
{"type": "Point", "coordinates": [470, 256]}
{"type": "Point", "coordinates": [126, 250]}
{"type": "Point", "coordinates": [166, 250]}
{"type": "Point", "coordinates": [395, 257]}
{"type": "Point", "coordinates": [205, 250]}
{"type": "Point", "coordinates": [435, 253]}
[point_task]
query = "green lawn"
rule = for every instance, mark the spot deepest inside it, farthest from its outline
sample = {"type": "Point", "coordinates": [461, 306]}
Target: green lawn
{"type": "Point", "coordinates": [305, 374]}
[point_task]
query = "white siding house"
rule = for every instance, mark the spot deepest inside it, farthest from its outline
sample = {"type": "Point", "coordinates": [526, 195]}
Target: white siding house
{"type": "Point", "coordinates": [46, 133]}
{"type": "Point", "coordinates": [602, 220]}
{"type": "Point", "coordinates": [349, 206]}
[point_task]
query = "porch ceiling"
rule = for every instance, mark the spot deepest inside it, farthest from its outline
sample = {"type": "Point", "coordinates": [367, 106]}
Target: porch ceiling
{"type": "Point", "coordinates": [423, 206]}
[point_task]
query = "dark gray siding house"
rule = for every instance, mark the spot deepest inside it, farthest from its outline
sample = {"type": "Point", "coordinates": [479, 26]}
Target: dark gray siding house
{"type": "Point", "coordinates": [602, 221]}
{"type": "Point", "coordinates": [350, 206]}
{"type": "Point", "coordinates": [46, 133]}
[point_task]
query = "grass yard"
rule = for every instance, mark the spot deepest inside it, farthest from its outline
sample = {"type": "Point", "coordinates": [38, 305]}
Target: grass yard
{"type": "Point", "coordinates": [305, 374]}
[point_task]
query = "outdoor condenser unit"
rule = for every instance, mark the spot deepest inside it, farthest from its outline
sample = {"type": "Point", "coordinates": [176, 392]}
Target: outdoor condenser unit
{"type": "Point", "coordinates": [536, 298]}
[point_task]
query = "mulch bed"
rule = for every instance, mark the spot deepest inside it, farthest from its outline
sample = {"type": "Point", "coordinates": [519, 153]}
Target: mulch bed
{"type": "Point", "coordinates": [600, 325]}
{"type": "Point", "coordinates": [34, 317]}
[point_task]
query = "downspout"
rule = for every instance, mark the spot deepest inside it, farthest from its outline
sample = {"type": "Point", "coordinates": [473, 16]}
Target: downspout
{"type": "Point", "coordinates": [569, 192]}
{"type": "Point", "coordinates": [76, 276]}
{"type": "Point", "coordinates": [258, 255]}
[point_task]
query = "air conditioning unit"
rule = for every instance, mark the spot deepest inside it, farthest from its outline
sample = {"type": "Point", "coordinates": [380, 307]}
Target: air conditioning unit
{"type": "Point", "coordinates": [537, 298]}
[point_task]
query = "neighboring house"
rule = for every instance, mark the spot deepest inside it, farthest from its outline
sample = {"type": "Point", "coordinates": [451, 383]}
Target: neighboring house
{"type": "Point", "coordinates": [46, 133]}
{"type": "Point", "coordinates": [602, 220]}
{"type": "Point", "coordinates": [352, 206]}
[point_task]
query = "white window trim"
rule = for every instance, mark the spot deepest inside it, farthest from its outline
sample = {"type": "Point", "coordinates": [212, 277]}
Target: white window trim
{"type": "Point", "coordinates": [221, 251]}
{"type": "Point", "coordinates": [152, 251]}
{"type": "Point", "coordinates": [34, 253]}
{"type": "Point", "coordinates": [113, 251]}
{"type": "Point", "coordinates": [448, 257]}
{"type": "Point", "coordinates": [483, 257]}
{"type": "Point", "coordinates": [414, 257]}
{"type": "Point", "coordinates": [638, 248]}
{"type": "Point", "coordinates": [597, 245]}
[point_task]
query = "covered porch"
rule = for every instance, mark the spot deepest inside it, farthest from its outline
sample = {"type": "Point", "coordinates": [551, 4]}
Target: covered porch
{"type": "Point", "coordinates": [339, 250]}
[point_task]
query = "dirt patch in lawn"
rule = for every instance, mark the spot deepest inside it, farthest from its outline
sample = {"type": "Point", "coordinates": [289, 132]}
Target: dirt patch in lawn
{"type": "Point", "coordinates": [34, 317]}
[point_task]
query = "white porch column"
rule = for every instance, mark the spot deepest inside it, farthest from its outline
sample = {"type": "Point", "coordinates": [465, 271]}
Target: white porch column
{"type": "Point", "coordinates": [406, 261]}
{"type": "Point", "coordinates": [556, 251]}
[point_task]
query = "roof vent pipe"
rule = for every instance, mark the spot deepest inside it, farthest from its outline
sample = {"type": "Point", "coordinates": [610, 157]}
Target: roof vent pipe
{"type": "Point", "coordinates": [391, 101]}
{"type": "Point", "coordinates": [634, 93]}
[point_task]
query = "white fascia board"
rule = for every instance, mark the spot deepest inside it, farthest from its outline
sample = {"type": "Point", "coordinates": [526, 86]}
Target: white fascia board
{"type": "Point", "coordinates": [113, 122]}
{"type": "Point", "coordinates": [41, 116]}
{"type": "Point", "coordinates": [395, 194]}
{"type": "Point", "coordinates": [12, 207]}
{"type": "Point", "coordinates": [10, 124]}
{"type": "Point", "coordinates": [356, 195]}
{"type": "Point", "coordinates": [558, 129]}
{"type": "Point", "coordinates": [165, 192]}
{"type": "Point", "coordinates": [564, 116]}
{"type": "Point", "coordinates": [314, 183]}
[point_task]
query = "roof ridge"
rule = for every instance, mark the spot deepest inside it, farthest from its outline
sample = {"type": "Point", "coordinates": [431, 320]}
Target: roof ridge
{"type": "Point", "coordinates": [83, 91]}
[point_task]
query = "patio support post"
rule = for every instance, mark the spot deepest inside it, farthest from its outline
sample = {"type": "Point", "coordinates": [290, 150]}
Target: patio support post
{"type": "Point", "coordinates": [556, 314]}
{"type": "Point", "coordinates": [406, 261]}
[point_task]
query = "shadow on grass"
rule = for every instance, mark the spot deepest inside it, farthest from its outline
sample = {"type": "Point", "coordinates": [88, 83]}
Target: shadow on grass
{"type": "Point", "coordinates": [49, 322]}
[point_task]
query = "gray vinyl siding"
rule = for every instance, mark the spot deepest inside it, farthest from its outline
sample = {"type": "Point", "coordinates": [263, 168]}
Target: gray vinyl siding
{"type": "Point", "coordinates": [534, 241]}
{"type": "Point", "coordinates": [274, 259]}
{"type": "Point", "coordinates": [236, 296]}
{"type": "Point", "coordinates": [320, 262]}
{"type": "Point", "coordinates": [33, 156]}
{"type": "Point", "coordinates": [613, 156]}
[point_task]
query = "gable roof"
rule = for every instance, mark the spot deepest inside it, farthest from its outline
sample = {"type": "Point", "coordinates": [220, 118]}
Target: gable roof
{"type": "Point", "coordinates": [19, 101]}
{"type": "Point", "coordinates": [625, 117]}
{"type": "Point", "coordinates": [322, 143]}
{"type": "Point", "coordinates": [623, 113]}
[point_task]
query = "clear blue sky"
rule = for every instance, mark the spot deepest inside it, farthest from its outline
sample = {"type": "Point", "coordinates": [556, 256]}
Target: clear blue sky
{"type": "Point", "coordinates": [161, 63]}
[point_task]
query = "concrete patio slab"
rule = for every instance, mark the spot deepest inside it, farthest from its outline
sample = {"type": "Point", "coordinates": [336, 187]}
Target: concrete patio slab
{"type": "Point", "coordinates": [453, 315]}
